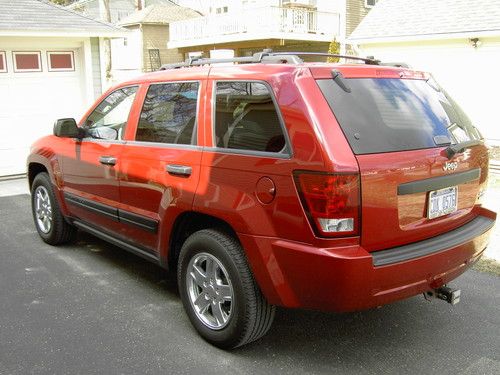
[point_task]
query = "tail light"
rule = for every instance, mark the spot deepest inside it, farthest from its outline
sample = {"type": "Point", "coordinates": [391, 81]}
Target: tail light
{"type": "Point", "coordinates": [331, 202]}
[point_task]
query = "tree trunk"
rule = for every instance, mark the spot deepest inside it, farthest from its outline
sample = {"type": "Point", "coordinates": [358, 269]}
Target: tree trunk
{"type": "Point", "coordinates": [105, 14]}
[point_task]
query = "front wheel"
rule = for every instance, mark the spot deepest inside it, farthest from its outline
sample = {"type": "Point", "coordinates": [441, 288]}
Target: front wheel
{"type": "Point", "coordinates": [218, 291]}
{"type": "Point", "coordinates": [49, 221]}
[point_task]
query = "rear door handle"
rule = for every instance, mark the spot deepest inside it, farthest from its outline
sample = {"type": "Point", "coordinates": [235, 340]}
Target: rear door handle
{"type": "Point", "coordinates": [179, 170]}
{"type": "Point", "coordinates": [107, 160]}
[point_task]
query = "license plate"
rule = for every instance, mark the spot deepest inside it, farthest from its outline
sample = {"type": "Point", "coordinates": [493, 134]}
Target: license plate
{"type": "Point", "coordinates": [442, 202]}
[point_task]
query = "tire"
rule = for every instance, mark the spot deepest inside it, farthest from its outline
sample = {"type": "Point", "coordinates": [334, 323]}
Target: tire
{"type": "Point", "coordinates": [49, 221]}
{"type": "Point", "coordinates": [231, 311]}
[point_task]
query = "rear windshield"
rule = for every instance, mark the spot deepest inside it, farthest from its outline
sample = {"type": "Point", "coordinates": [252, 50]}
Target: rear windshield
{"type": "Point", "coordinates": [386, 114]}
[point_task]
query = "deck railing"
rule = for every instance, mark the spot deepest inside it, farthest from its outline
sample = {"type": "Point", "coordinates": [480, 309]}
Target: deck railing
{"type": "Point", "coordinates": [259, 22]}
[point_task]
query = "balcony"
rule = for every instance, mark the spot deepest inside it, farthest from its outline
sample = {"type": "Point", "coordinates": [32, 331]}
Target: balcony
{"type": "Point", "coordinates": [255, 24]}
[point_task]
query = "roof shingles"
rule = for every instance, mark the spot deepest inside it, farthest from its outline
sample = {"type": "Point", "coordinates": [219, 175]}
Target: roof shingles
{"type": "Point", "coordinates": [405, 18]}
{"type": "Point", "coordinates": [37, 15]}
{"type": "Point", "coordinates": [160, 14]}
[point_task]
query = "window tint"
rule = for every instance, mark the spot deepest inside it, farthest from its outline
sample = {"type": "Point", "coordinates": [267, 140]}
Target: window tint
{"type": "Point", "coordinates": [384, 115]}
{"type": "Point", "coordinates": [246, 118]}
{"type": "Point", "coordinates": [109, 118]}
{"type": "Point", "coordinates": [169, 114]}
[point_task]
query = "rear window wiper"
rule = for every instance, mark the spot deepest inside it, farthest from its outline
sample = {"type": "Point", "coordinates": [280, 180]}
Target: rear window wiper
{"type": "Point", "coordinates": [451, 150]}
{"type": "Point", "coordinates": [339, 79]}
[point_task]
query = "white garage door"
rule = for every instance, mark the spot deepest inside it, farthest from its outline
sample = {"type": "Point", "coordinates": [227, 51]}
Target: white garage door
{"type": "Point", "coordinates": [36, 87]}
{"type": "Point", "coordinates": [468, 73]}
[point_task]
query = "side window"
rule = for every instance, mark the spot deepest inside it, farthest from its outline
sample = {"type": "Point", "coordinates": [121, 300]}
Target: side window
{"type": "Point", "coordinates": [246, 118]}
{"type": "Point", "coordinates": [169, 114]}
{"type": "Point", "coordinates": [109, 118]}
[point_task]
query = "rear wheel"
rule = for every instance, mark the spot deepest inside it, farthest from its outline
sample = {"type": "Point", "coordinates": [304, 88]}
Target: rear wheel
{"type": "Point", "coordinates": [48, 218]}
{"type": "Point", "coordinates": [219, 294]}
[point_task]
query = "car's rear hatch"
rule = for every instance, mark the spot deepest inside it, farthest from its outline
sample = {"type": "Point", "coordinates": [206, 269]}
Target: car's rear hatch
{"type": "Point", "coordinates": [400, 126]}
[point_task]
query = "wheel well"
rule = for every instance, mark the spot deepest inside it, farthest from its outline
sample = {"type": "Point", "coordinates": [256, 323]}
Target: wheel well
{"type": "Point", "coordinates": [188, 223]}
{"type": "Point", "coordinates": [33, 170]}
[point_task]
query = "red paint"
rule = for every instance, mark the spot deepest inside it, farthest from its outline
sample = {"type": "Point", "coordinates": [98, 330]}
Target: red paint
{"type": "Point", "coordinates": [265, 190]}
{"type": "Point", "coordinates": [258, 198]}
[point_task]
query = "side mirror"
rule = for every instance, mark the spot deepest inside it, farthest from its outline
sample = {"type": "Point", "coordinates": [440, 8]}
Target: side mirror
{"type": "Point", "coordinates": [67, 128]}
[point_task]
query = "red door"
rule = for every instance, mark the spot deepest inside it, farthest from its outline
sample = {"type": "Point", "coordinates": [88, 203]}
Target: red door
{"type": "Point", "coordinates": [160, 165]}
{"type": "Point", "coordinates": [90, 166]}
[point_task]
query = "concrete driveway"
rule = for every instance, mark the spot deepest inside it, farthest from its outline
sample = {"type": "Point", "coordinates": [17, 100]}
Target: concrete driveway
{"type": "Point", "coordinates": [91, 308]}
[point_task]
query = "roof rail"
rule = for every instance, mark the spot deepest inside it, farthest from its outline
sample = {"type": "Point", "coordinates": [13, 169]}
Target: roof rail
{"type": "Point", "coordinates": [397, 64]}
{"type": "Point", "coordinates": [367, 60]}
{"type": "Point", "coordinates": [260, 57]}
{"type": "Point", "coordinates": [266, 56]}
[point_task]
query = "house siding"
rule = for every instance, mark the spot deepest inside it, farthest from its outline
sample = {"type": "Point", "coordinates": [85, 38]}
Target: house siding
{"type": "Point", "coordinates": [96, 66]}
{"type": "Point", "coordinates": [355, 12]}
{"type": "Point", "coordinates": [156, 37]}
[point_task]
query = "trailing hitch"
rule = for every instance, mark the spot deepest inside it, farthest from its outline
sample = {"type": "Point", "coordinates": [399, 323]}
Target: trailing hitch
{"type": "Point", "coordinates": [444, 293]}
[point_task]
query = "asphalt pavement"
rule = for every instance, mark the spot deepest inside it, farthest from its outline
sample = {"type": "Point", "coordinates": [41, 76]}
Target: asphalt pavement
{"type": "Point", "coordinates": [92, 308]}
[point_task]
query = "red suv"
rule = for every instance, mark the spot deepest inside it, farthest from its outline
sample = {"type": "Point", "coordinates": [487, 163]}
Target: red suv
{"type": "Point", "coordinates": [273, 182]}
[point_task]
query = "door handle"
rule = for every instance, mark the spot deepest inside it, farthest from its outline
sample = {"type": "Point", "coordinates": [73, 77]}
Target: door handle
{"type": "Point", "coordinates": [107, 160]}
{"type": "Point", "coordinates": [179, 170]}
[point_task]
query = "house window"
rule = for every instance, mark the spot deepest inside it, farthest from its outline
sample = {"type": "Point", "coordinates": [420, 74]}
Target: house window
{"type": "Point", "coordinates": [154, 59]}
{"type": "Point", "coordinates": [61, 61]}
{"type": "Point", "coordinates": [3, 62]}
{"type": "Point", "coordinates": [221, 10]}
{"type": "Point", "coordinates": [27, 62]}
{"type": "Point", "coordinates": [370, 3]}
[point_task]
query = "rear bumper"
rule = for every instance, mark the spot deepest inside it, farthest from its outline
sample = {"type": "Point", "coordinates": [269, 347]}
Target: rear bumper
{"type": "Point", "coordinates": [349, 278]}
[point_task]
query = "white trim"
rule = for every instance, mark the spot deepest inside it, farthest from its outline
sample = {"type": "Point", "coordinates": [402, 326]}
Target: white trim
{"type": "Point", "coordinates": [241, 37]}
{"type": "Point", "coordinates": [50, 69]}
{"type": "Point", "coordinates": [412, 38]}
{"type": "Point", "coordinates": [89, 81]}
{"type": "Point", "coordinates": [141, 42]}
{"type": "Point", "coordinates": [105, 82]}
{"type": "Point", "coordinates": [3, 57]}
{"type": "Point", "coordinates": [39, 55]}
{"type": "Point", "coordinates": [65, 33]}
{"type": "Point", "coordinates": [343, 27]}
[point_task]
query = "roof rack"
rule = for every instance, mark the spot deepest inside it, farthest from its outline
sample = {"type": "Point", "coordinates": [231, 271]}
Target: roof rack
{"type": "Point", "coordinates": [367, 60]}
{"type": "Point", "coordinates": [266, 56]}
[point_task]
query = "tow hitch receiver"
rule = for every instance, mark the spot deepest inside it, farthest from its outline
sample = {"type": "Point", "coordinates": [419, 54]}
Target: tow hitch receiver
{"type": "Point", "coordinates": [444, 293]}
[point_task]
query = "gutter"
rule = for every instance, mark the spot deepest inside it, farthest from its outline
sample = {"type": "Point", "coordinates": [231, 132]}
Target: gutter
{"type": "Point", "coordinates": [415, 38]}
{"type": "Point", "coordinates": [66, 33]}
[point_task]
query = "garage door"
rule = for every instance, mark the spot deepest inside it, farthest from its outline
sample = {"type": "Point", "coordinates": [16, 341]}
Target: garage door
{"type": "Point", "coordinates": [36, 87]}
{"type": "Point", "coordinates": [468, 73]}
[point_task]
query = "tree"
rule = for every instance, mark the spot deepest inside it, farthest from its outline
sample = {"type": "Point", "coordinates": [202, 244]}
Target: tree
{"type": "Point", "coordinates": [105, 14]}
{"type": "Point", "coordinates": [334, 48]}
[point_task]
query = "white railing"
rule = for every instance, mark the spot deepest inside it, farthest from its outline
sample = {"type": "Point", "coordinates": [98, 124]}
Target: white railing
{"type": "Point", "coordinates": [268, 21]}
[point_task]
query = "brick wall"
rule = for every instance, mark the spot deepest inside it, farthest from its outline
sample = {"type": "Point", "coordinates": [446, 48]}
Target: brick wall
{"type": "Point", "coordinates": [156, 37]}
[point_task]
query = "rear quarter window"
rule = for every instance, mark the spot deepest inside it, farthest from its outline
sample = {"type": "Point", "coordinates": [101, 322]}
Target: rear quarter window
{"type": "Point", "coordinates": [385, 115]}
{"type": "Point", "coordinates": [246, 118]}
